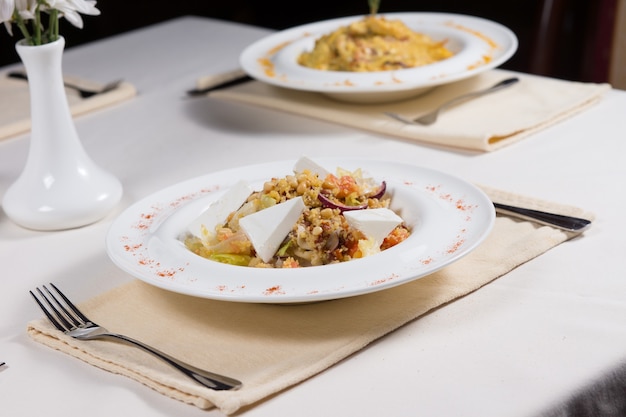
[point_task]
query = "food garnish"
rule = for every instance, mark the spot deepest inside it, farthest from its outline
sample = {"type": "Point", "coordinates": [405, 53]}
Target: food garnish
{"type": "Point", "coordinates": [374, 5]}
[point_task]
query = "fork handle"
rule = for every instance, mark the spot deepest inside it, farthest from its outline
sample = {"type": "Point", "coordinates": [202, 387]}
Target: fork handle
{"type": "Point", "coordinates": [81, 91]}
{"type": "Point", "coordinates": [208, 379]}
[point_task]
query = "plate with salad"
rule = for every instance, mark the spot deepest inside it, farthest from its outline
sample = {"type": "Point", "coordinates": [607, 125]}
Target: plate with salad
{"type": "Point", "coordinates": [300, 231]}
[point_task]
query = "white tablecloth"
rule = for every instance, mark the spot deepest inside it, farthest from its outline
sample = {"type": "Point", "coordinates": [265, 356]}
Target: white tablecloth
{"type": "Point", "coordinates": [521, 346]}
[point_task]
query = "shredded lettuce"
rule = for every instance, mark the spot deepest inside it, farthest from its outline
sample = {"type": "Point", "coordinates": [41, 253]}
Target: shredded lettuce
{"type": "Point", "coordinates": [231, 259]}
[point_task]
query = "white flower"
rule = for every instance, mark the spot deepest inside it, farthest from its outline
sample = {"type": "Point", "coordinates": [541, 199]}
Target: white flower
{"type": "Point", "coordinates": [71, 9]}
{"type": "Point", "coordinates": [6, 10]}
{"type": "Point", "coordinates": [6, 13]}
{"type": "Point", "coordinates": [26, 8]}
{"type": "Point", "coordinates": [85, 7]}
{"type": "Point", "coordinates": [29, 11]}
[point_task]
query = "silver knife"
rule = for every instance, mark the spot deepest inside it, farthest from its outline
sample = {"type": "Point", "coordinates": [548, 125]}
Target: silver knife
{"type": "Point", "coordinates": [567, 223]}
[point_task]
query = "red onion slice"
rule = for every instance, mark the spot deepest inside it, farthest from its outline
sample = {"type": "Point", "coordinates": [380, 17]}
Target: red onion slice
{"type": "Point", "coordinates": [326, 202]}
{"type": "Point", "coordinates": [381, 191]}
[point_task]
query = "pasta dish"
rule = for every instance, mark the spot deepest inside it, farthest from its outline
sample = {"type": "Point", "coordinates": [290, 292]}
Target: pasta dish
{"type": "Point", "coordinates": [373, 44]}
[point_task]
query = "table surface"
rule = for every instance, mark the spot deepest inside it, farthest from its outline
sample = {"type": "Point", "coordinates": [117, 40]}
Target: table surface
{"type": "Point", "coordinates": [520, 346]}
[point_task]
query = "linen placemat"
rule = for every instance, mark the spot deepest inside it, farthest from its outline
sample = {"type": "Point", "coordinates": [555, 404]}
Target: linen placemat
{"type": "Point", "coordinates": [483, 124]}
{"type": "Point", "coordinates": [15, 102]}
{"type": "Point", "coordinates": [272, 347]}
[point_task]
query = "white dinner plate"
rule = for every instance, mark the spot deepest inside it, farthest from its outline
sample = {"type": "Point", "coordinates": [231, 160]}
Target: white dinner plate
{"type": "Point", "coordinates": [447, 216]}
{"type": "Point", "coordinates": [478, 45]}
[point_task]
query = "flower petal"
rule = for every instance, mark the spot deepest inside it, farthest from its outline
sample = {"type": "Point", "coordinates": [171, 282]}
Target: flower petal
{"type": "Point", "coordinates": [8, 27]}
{"type": "Point", "coordinates": [73, 17]}
{"type": "Point", "coordinates": [6, 10]}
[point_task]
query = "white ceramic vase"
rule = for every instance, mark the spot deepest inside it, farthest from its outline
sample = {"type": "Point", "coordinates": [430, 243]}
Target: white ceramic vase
{"type": "Point", "coordinates": [60, 186]}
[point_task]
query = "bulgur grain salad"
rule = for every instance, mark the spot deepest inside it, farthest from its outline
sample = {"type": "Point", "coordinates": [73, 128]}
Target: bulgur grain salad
{"type": "Point", "coordinates": [320, 236]}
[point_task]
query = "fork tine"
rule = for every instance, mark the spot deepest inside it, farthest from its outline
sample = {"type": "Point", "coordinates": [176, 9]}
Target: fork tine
{"type": "Point", "coordinates": [52, 317]}
{"type": "Point", "coordinates": [71, 319]}
{"type": "Point", "coordinates": [74, 309]}
{"type": "Point", "coordinates": [59, 310]}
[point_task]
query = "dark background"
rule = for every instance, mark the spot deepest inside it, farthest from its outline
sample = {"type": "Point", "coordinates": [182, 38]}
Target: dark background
{"type": "Point", "coordinates": [575, 45]}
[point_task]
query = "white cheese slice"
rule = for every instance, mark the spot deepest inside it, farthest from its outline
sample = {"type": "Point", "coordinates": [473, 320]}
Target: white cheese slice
{"type": "Point", "coordinates": [307, 163]}
{"type": "Point", "coordinates": [267, 228]}
{"type": "Point", "coordinates": [217, 212]}
{"type": "Point", "coordinates": [375, 224]}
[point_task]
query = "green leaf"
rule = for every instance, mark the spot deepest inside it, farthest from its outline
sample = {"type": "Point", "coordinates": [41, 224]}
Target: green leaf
{"type": "Point", "coordinates": [283, 250]}
{"type": "Point", "coordinates": [374, 5]}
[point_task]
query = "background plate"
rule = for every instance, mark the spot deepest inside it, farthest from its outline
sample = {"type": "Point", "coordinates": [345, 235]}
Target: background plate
{"type": "Point", "coordinates": [478, 44]}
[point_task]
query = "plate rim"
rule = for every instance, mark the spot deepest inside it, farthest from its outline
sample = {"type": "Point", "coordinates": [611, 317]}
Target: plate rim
{"type": "Point", "coordinates": [124, 258]}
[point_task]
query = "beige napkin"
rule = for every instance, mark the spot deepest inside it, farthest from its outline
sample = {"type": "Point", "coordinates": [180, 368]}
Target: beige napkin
{"type": "Point", "coordinates": [15, 102]}
{"type": "Point", "coordinates": [272, 347]}
{"type": "Point", "coordinates": [486, 123]}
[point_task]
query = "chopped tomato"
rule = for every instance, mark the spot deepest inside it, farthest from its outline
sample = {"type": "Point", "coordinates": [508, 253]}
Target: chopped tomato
{"type": "Point", "coordinates": [396, 236]}
{"type": "Point", "coordinates": [342, 186]}
{"type": "Point", "coordinates": [352, 246]}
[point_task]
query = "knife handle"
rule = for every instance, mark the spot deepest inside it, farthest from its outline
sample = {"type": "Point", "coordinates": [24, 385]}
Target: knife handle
{"type": "Point", "coordinates": [202, 91]}
{"type": "Point", "coordinates": [18, 75]}
{"type": "Point", "coordinates": [568, 223]}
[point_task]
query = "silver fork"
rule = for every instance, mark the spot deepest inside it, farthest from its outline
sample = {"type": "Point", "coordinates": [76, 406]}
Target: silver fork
{"type": "Point", "coordinates": [82, 91]}
{"type": "Point", "coordinates": [431, 117]}
{"type": "Point", "coordinates": [67, 318]}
